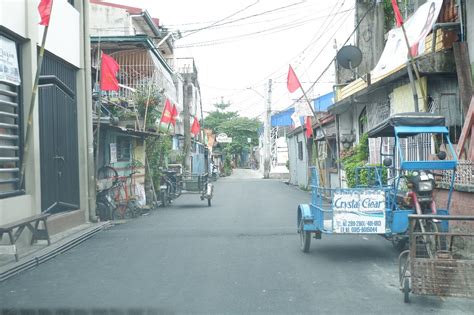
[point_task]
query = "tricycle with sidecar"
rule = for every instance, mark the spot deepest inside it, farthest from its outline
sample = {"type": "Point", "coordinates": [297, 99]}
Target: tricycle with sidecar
{"type": "Point", "coordinates": [381, 207]}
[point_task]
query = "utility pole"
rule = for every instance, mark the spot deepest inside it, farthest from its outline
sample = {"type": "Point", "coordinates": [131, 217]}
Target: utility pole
{"type": "Point", "coordinates": [267, 132]}
{"type": "Point", "coordinates": [188, 93]}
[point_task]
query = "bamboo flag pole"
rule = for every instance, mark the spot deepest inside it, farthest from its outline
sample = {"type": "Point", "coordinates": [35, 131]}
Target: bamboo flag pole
{"type": "Point", "coordinates": [318, 122]}
{"type": "Point", "coordinates": [31, 108]}
{"type": "Point", "coordinates": [417, 73]}
{"type": "Point", "coordinates": [148, 100]}
{"type": "Point", "coordinates": [98, 110]}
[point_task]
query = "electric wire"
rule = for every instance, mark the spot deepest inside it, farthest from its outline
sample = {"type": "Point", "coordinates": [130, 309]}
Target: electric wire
{"type": "Point", "coordinates": [241, 19]}
{"type": "Point", "coordinates": [265, 32]}
{"type": "Point", "coordinates": [317, 36]}
{"type": "Point", "coordinates": [332, 60]}
{"type": "Point", "coordinates": [319, 53]}
{"type": "Point", "coordinates": [221, 20]}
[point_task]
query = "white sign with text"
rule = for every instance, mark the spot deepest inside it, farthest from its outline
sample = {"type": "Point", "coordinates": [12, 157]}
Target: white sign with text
{"type": "Point", "coordinates": [359, 211]}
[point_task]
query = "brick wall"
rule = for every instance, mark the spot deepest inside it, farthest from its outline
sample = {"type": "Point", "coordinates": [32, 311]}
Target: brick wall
{"type": "Point", "coordinates": [462, 203]}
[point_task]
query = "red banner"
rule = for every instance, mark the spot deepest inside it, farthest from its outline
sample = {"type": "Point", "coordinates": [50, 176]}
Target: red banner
{"type": "Point", "coordinates": [195, 127]}
{"type": "Point", "coordinates": [108, 73]}
{"type": "Point", "coordinates": [292, 82]}
{"type": "Point", "coordinates": [44, 9]}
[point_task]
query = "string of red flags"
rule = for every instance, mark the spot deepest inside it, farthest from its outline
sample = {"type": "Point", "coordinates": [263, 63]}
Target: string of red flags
{"type": "Point", "coordinates": [170, 113]}
{"type": "Point", "coordinates": [44, 9]}
{"type": "Point", "coordinates": [166, 115]}
{"type": "Point", "coordinates": [174, 114]}
{"type": "Point", "coordinates": [108, 73]}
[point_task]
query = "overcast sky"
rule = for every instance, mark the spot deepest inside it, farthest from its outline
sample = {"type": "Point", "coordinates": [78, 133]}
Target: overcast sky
{"type": "Point", "coordinates": [246, 42]}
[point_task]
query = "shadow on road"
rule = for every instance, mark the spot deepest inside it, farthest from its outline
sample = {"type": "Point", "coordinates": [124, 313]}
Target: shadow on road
{"type": "Point", "coordinates": [352, 252]}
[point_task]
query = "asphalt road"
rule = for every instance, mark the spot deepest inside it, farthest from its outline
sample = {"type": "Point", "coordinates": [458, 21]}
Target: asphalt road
{"type": "Point", "coordinates": [239, 256]}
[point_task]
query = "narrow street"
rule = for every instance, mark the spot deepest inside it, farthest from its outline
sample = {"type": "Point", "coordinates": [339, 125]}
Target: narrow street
{"type": "Point", "coordinates": [239, 256]}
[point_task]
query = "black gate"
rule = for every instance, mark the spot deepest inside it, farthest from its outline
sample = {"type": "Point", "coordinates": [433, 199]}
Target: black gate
{"type": "Point", "coordinates": [58, 136]}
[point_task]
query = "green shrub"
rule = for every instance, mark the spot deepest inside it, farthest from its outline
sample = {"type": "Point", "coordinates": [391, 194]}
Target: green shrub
{"type": "Point", "coordinates": [357, 157]}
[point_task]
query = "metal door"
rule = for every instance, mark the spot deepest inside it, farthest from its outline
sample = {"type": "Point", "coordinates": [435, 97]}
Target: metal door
{"type": "Point", "coordinates": [58, 137]}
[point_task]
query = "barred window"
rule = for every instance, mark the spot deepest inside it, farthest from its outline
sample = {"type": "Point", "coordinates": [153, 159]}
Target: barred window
{"type": "Point", "coordinates": [123, 149]}
{"type": "Point", "coordinates": [10, 118]}
{"type": "Point", "coordinates": [300, 150]}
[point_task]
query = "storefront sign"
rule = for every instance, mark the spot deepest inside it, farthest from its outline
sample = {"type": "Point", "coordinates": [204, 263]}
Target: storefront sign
{"type": "Point", "coordinates": [9, 70]}
{"type": "Point", "coordinates": [359, 211]}
{"type": "Point", "coordinates": [223, 138]}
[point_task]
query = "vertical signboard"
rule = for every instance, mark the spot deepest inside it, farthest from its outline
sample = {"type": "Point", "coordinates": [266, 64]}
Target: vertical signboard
{"type": "Point", "coordinates": [113, 153]}
{"type": "Point", "coordinates": [9, 71]}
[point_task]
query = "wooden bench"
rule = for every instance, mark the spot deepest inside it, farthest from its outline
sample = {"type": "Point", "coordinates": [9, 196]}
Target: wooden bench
{"type": "Point", "coordinates": [32, 223]}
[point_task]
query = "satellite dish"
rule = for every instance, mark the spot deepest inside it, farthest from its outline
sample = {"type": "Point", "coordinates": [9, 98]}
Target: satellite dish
{"type": "Point", "coordinates": [349, 57]}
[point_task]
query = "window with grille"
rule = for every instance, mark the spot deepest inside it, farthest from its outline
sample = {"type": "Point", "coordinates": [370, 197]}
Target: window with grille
{"type": "Point", "coordinates": [123, 149]}
{"type": "Point", "coordinates": [10, 118]}
{"type": "Point", "coordinates": [300, 150]}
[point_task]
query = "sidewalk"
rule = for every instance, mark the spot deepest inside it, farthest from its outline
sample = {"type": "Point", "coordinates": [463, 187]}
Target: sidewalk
{"type": "Point", "coordinates": [40, 252]}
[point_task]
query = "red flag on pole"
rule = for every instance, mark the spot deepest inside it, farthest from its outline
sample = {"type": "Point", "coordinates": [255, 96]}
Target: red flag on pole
{"type": "Point", "coordinates": [108, 74]}
{"type": "Point", "coordinates": [174, 114]}
{"type": "Point", "coordinates": [398, 15]}
{"type": "Point", "coordinates": [309, 127]}
{"type": "Point", "coordinates": [292, 81]}
{"type": "Point", "coordinates": [44, 9]}
{"type": "Point", "coordinates": [195, 127]}
{"type": "Point", "coordinates": [166, 116]}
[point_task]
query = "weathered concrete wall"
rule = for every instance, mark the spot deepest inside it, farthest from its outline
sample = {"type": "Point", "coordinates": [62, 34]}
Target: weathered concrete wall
{"type": "Point", "coordinates": [299, 171]}
{"type": "Point", "coordinates": [444, 91]}
{"type": "Point", "coordinates": [106, 21]}
{"type": "Point", "coordinates": [370, 34]}
{"type": "Point", "coordinates": [401, 99]}
{"type": "Point", "coordinates": [469, 8]}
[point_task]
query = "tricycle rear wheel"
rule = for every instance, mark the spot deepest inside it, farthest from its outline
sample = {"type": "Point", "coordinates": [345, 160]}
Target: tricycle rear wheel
{"type": "Point", "coordinates": [399, 243]}
{"type": "Point", "coordinates": [406, 290]}
{"type": "Point", "coordinates": [305, 238]}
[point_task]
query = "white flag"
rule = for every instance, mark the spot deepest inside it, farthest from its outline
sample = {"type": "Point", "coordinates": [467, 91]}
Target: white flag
{"type": "Point", "coordinates": [302, 109]}
{"type": "Point", "coordinates": [296, 119]}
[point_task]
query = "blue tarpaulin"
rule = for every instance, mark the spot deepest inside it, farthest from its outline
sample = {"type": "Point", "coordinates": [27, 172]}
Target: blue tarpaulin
{"type": "Point", "coordinates": [321, 104]}
{"type": "Point", "coordinates": [282, 119]}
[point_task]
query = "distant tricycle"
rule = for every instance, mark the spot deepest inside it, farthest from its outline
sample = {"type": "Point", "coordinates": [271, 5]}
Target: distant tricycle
{"type": "Point", "coordinates": [175, 182]}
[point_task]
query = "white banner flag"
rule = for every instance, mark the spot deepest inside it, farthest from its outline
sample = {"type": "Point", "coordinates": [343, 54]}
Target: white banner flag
{"type": "Point", "coordinates": [302, 109]}
{"type": "Point", "coordinates": [395, 53]}
{"type": "Point", "coordinates": [296, 120]}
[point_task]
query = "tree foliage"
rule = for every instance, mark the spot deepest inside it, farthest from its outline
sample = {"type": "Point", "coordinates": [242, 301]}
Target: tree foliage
{"type": "Point", "coordinates": [240, 129]}
{"type": "Point", "coordinates": [236, 127]}
{"type": "Point", "coordinates": [215, 118]}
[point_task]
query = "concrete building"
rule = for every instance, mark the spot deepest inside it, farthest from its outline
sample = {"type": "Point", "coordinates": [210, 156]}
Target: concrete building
{"type": "Point", "coordinates": [61, 127]}
{"type": "Point", "coordinates": [380, 91]}
{"type": "Point", "coordinates": [305, 153]}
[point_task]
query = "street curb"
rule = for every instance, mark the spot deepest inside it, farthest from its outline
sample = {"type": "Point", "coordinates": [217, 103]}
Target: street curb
{"type": "Point", "coordinates": [33, 260]}
{"type": "Point", "coordinates": [298, 188]}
